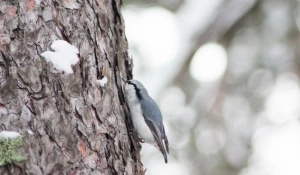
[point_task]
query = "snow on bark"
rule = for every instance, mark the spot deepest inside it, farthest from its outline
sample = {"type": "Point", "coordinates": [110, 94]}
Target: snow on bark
{"type": "Point", "coordinates": [64, 57]}
{"type": "Point", "coordinates": [9, 134]}
{"type": "Point", "coordinates": [102, 81]}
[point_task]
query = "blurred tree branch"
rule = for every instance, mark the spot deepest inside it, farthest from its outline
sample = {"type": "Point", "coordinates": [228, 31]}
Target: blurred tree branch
{"type": "Point", "coordinates": [232, 12]}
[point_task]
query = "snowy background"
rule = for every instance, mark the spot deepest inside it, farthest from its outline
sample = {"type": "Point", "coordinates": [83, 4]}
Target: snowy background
{"type": "Point", "coordinates": [225, 74]}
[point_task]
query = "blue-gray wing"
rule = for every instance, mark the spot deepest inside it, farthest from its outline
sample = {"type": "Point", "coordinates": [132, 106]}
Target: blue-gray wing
{"type": "Point", "coordinates": [153, 118]}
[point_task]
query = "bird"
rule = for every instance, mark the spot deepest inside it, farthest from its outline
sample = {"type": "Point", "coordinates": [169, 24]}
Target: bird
{"type": "Point", "coordinates": [146, 116]}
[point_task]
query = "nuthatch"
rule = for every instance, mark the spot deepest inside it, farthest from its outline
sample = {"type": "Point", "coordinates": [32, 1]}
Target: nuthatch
{"type": "Point", "coordinates": [146, 116]}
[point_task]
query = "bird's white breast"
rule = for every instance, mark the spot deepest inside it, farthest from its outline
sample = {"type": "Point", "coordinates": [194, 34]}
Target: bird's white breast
{"type": "Point", "coordinates": [137, 117]}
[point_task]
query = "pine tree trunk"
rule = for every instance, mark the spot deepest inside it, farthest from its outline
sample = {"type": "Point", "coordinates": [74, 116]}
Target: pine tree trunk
{"type": "Point", "coordinates": [69, 125]}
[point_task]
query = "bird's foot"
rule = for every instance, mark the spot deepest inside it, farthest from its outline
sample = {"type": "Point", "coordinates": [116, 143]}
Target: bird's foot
{"type": "Point", "coordinates": [135, 135]}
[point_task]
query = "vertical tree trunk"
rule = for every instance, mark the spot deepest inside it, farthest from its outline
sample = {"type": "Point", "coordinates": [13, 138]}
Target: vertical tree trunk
{"type": "Point", "coordinates": [68, 124]}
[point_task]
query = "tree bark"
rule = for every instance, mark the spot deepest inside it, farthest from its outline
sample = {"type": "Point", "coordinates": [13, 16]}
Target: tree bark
{"type": "Point", "coordinates": [68, 124]}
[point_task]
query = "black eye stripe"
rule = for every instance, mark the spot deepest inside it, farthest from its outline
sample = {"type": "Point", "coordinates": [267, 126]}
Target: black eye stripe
{"type": "Point", "coordinates": [137, 90]}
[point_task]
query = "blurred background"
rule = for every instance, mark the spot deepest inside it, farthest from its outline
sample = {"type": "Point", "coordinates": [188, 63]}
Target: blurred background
{"type": "Point", "coordinates": [225, 74]}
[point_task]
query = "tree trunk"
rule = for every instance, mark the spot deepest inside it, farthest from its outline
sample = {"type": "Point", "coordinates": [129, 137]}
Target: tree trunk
{"type": "Point", "coordinates": [69, 125]}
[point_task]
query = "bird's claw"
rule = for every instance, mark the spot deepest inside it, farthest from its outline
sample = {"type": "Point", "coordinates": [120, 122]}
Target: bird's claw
{"type": "Point", "coordinates": [136, 136]}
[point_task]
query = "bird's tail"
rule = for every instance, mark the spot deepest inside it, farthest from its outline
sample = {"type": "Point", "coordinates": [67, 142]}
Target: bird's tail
{"type": "Point", "coordinates": [165, 139]}
{"type": "Point", "coordinates": [160, 146]}
{"type": "Point", "coordinates": [164, 145]}
{"type": "Point", "coordinates": [165, 155]}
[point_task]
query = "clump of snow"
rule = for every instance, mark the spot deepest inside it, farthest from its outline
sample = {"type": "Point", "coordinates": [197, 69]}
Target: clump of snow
{"type": "Point", "coordinates": [102, 82]}
{"type": "Point", "coordinates": [64, 56]}
{"type": "Point", "coordinates": [29, 132]}
{"type": "Point", "coordinates": [63, 46]}
{"type": "Point", "coordinates": [9, 134]}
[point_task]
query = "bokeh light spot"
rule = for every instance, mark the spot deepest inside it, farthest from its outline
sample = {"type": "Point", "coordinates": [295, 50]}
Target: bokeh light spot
{"type": "Point", "coordinates": [209, 63]}
{"type": "Point", "coordinates": [283, 103]}
{"type": "Point", "coordinates": [210, 141]}
{"type": "Point", "coordinates": [275, 151]}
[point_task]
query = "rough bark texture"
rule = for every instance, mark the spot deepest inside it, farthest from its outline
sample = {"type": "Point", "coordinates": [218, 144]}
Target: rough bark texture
{"type": "Point", "coordinates": [77, 127]}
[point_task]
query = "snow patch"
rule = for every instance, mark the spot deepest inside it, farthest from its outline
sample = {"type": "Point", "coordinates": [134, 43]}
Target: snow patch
{"type": "Point", "coordinates": [64, 56]}
{"type": "Point", "coordinates": [9, 134]}
{"type": "Point", "coordinates": [102, 82]}
{"type": "Point", "coordinates": [29, 131]}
